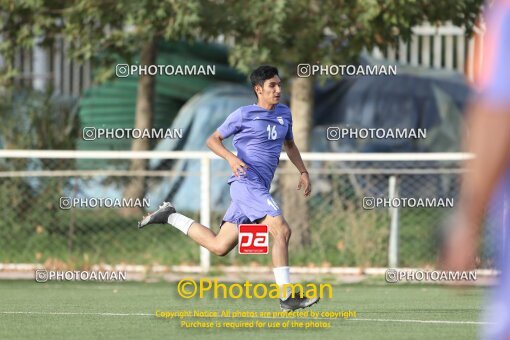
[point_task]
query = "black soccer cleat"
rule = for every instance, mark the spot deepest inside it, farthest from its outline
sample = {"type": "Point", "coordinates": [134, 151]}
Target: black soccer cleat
{"type": "Point", "coordinates": [297, 302]}
{"type": "Point", "coordinates": [159, 216]}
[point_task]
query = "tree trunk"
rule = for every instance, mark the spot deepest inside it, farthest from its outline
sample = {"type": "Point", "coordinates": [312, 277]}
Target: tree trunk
{"type": "Point", "coordinates": [301, 104]}
{"type": "Point", "coordinates": [143, 120]}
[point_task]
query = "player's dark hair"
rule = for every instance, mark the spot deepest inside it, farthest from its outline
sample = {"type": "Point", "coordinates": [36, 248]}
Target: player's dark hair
{"type": "Point", "coordinates": [261, 74]}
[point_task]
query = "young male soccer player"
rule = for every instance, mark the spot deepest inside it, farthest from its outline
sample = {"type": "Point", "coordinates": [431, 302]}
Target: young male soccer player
{"type": "Point", "coordinates": [259, 132]}
{"type": "Point", "coordinates": [489, 172]}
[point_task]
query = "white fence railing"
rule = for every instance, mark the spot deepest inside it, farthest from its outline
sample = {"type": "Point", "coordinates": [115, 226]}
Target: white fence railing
{"type": "Point", "coordinates": [438, 47]}
{"type": "Point", "coordinates": [41, 67]}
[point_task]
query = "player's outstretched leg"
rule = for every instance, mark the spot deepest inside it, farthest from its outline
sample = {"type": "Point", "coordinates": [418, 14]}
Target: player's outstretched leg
{"type": "Point", "coordinates": [220, 244]}
{"type": "Point", "coordinates": [160, 216]}
{"type": "Point", "coordinates": [280, 231]}
{"type": "Point", "coordinates": [166, 214]}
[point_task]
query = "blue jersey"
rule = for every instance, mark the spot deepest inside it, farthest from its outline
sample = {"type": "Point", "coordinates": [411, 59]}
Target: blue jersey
{"type": "Point", "coordinates": [258, 138]}
{"type": "Point", "coordinates": [493, 81]}
{"type": "Point", "coordinates": [493, 85]}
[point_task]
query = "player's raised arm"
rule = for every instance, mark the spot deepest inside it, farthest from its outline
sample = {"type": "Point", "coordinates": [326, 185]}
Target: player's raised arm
{"type": "Point", "coordinates": [295, 157]}
{"type": "Point", "coordinates": [215, 143]}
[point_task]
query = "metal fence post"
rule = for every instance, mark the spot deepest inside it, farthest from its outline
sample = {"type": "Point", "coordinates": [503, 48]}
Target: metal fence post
{"type": "Point", "coordinates": [205, 207]}
{"type": "Point", "coordinates": [41, 66]}
{"type": "Point", "coordinates": [394, 212]}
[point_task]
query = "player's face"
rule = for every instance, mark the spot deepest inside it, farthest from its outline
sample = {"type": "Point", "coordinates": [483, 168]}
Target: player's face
{"type": "Point", "coordinates": [271, 91]}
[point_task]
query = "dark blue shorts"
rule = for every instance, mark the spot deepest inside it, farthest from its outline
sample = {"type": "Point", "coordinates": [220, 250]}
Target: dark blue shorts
{"type": "Point", "coordinates": [251, 201]}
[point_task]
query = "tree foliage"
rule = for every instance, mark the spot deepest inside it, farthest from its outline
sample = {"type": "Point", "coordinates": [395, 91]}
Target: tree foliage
{"type": "Point", "coordinates": [287, 33]}
{"type": "Point", "coordinates": [281, 32]}
{"type": "Point", "coordinates": [109, 28]}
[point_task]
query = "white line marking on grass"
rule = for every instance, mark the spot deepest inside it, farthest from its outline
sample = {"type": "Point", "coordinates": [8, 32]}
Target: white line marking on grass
{"type": "Point", "coordinates": [448, 322]}
{"type": "Point", "coordinates": [427, 321]}
{"type": "Point", "coordinates": [80, 313]}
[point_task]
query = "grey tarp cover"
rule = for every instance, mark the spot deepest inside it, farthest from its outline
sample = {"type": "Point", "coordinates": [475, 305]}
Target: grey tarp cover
{"type": "Point", "coordinates": [414, 98]}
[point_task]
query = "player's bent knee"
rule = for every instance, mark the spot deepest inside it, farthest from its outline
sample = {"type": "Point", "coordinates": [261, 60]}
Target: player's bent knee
{"type": "Point", "coordinates": [281, 233]}
{"type": "Point", "coordinates": [220, 250]}
{"type": "Point", "coordinates": [287, 233]}
{"type": "Point", "coordinates": [222, 253]}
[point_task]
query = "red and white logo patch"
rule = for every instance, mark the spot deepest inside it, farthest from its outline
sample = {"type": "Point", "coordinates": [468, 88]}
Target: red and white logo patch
{"type": "Point", "coordinates": [253, 239]}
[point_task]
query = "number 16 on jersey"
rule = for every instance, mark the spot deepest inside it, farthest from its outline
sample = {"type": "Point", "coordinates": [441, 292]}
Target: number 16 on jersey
{"type": "Point", "coordinates": [271, 132]}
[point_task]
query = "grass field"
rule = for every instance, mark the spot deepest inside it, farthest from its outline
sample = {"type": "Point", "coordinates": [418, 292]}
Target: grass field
{"type": "Point", "coordinates": [85, 310]}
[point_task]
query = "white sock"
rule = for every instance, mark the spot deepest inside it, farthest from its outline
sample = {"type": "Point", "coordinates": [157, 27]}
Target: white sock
{"type": "Point", "coordinates": [282, 277]}
{"type": "Point", "coordinates": [180, 222]}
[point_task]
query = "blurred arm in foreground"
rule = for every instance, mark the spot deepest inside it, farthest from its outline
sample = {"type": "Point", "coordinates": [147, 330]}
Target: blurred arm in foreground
{"type": "Point", "coordinates": [489, 140]}
{"type": "Point", "coordinates": [488, 137]}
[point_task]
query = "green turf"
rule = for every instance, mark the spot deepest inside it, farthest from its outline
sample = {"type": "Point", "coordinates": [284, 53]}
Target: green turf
{"type": "Point", "coordinates": [374, 301]}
